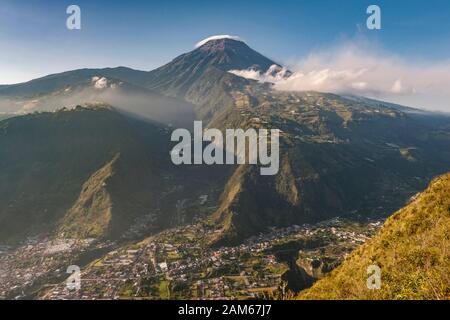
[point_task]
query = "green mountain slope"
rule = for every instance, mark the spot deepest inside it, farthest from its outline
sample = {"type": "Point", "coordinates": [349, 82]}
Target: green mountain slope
{"type": "Point", "coordinates": [178, 76]}
{"type": "Point", "coordinates": [412, 250]}
{"type": "Point", "coordinates": [201, 76]}
{"type": "Point", "coordinates": [46, 158]}
{"type": "Point", "coordinates": [91, 214]}
{"type": "Point", "coordinates": [338, 157]}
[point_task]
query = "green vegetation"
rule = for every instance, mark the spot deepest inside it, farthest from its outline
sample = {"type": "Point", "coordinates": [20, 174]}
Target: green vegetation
{"type": "Point", "coordinates": [338, 154]}
{"type": "Point", "coordinates": [412, 250]}
{"type": "Point", "coordinates": [58, 171]}
{"type": "Point", "coordinates": [164, 291]}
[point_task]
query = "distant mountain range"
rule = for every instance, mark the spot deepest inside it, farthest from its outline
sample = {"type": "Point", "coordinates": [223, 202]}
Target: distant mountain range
{"type": "Point", "coordinates": [140, 92]}
{"type": "Point", "coordinates": [98, 171]}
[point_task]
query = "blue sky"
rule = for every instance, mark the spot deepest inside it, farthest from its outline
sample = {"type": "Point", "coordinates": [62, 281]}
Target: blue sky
{"type": "Point", "coordinates": [34, 40]}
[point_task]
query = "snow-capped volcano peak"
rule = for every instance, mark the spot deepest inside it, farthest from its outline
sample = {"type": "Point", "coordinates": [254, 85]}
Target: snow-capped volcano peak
{"type": "Point", "coordinates": [217, 37]}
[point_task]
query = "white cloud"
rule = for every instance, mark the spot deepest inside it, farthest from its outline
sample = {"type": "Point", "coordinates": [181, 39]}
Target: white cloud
{"type": "Point", "coordinates": [252, 74]}
{"type": "Point", "coordinates": [100, 83]}
{"type": "Point", "coordinates": [217, 37]}
{"type": "Point", "coordinates": [367, 71]}
{"type": "Point", "coordinates": [274, 74]}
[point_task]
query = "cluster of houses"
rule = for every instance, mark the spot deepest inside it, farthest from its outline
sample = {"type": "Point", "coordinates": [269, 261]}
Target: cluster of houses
{"type": "Point", "coordinates": [175, 263]}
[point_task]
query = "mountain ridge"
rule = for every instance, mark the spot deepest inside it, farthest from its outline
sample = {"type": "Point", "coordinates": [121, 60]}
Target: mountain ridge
{"type": "Point", "coordinates": [338, 155]}
{"type": "Point", "coordinates": [39, 155]}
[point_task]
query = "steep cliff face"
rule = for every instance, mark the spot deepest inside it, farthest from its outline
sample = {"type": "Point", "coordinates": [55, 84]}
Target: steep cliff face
{"type": "Point", "coordinates": [91, 215]}
{"type": "Point", "coordinates": [251, 203]}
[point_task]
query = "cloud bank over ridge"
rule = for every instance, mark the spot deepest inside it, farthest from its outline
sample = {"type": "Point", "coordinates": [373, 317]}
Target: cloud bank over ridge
{"type": "Point", "coordinates": [365, 71]}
